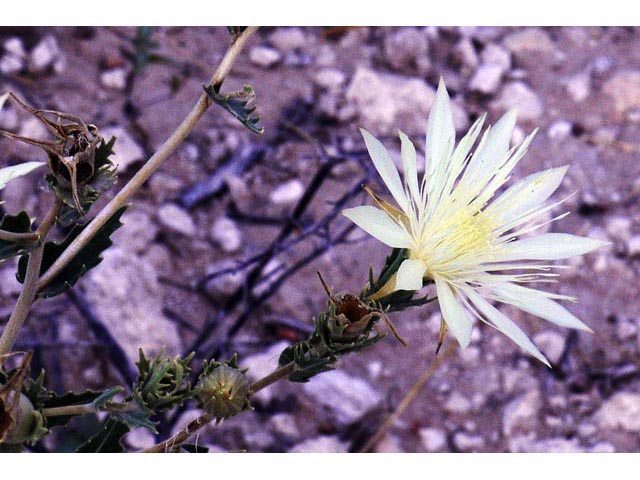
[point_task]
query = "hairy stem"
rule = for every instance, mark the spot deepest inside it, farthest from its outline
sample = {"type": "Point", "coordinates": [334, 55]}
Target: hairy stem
{"type": "Point", "coordinates": [202, 420]}
{"type": "Point", "coordinates": [86, 408]}
{"type": "Point", "coordinates": [167, 148]}
{"type": "Point", "coordinates": [29, 290]}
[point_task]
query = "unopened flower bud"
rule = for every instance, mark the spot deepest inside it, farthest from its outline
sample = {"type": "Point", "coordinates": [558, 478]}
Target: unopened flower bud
{"type": "Point", "coordinates": [223, 392]}
{"type": "Point", "coordinates": [21, 424]}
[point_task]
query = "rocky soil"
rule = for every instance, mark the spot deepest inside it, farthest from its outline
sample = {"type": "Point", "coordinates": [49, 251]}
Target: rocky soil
{"type": "Point", "coordinates": [579, 86]}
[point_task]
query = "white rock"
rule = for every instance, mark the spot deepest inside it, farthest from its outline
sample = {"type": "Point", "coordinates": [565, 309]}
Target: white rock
{"type": "Point", "coordinates": [519, 95]}
{"type": "Point", "coordinates": [225, 232]}
{"type": "Point", "coordinates": [486, 79]}
{"type": "Point", "coordinates": [14, 46]}
{"type": "Point", "coordinates": [521, 413]}
{"type": "Point", "coordinates": [457, 403]}
{"type": "Point", "coordinates": [466, 53]}
{"type": "Point", "coordinates": [44, 54]}
{"type": "Point", "coordinates": [560, 130]}
{"type": "Point", "coordinates": [578, 87]}
{"type": "Point", "coordinates": [633, 246]}
{"type": "Point", "coordinates": [407, 48]}
{"type": "Point", "coordinates": [389, 444]}
{"type": "Point", "coordinates": [388, 102]}
{"type": "Point", "coordinates": [177, 219]}
{"type": "Point", "coordinates": [9, 285]}
{"type": "Point", "coordinates": [530, 40]}
{"type": "Point", "coordinates": [468, 443]}
{"type": "Point", "coordinates": [33, 128]}
{"type": "Point", "coordinates": [551, 344]}
{"type": "Point", "coordinates": [323, 444]}
{"type": "Point", "coordinates": [624, 90]}
{"type": "Point", "coordinates": [284, 424]}
{"type": "Point", "coordinates": [223, 285]}
{"type": "Point", "coordinates": [125, 151]}
{"type": "Point", "coordinates": [493, 54]}
{"type": "Point", "coordinates": [433, 439]}
{"type": "Point", "coordinates": [626, 329]}
{"type": "Point", "coordinates": [621, 411]}
{"type": "Point", "coordinates": [13, 59]}
{"type": "Point", "coordinates": [116, 78]}
{"type": "Point", "coordinates": [347, 397]}
{"type": "Point", "coordinates": [262, 364]}
{"type": "Point", "coordinates": [264, 57]}
{"type": "Point", "coordinates": [287, 39]}
{"type": "Point", "coordinates": [288, 192]}
{"type": "Point", "coordinates": [618, 227]}
{"type": "Point", "coordinates": [128, 298]}
{"type": "Point", "coordinates": [329, 78]}
{"type": "Point", "coordinates": [137, 232]}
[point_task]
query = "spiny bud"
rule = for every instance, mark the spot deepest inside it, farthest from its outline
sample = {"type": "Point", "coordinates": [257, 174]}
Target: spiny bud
{"type": "Point", "coordinates": [223, 390]}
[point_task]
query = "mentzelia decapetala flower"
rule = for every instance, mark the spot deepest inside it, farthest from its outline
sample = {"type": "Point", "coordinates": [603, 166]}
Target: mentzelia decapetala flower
{"type": "Point", "coordinates": [476, 249]}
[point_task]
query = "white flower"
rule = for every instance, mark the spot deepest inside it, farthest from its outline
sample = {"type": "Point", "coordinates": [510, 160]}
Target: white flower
{"type": "Point", "coordinates": [460, 238]}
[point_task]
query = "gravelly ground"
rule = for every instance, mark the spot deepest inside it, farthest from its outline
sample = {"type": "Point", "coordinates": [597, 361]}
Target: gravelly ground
{"type": "Point", "coordinates": [579, 86]}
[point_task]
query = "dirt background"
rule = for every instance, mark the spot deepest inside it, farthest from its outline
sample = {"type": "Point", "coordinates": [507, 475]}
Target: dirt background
{"type": "Point", "coordinates": [579, 86]}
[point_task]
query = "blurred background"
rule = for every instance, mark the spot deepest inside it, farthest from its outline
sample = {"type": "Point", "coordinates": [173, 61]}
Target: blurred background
{"type": "Point", "coordinates": [219, 250]}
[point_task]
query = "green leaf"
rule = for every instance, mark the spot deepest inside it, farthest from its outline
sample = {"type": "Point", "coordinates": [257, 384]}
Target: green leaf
{"type": "Point", "coordinates": [51, 399]}
{"type": "Point", "coordinates": [87, 258]}
{"type": "Point", "coordinates": [107, 440]}
{"type": "Point", "coordinates": [241, 104]}
{"type": "Point", "coordinates": [20, 223]}
{"type": "Point", "coordinates": [136, 419]}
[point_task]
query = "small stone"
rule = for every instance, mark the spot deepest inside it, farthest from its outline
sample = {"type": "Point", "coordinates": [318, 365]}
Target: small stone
{"type": "Point", "coordinates": [140, 438]}
{"type": "Point", "coordinates": [177, 220]}
{"type": "Point", "coordinates": [560, 130]}
{"type": "Point", "coordinates": [466, 55]}
{"type": "Point", "coordinates": [33, 128]}
{"type": "Point", "coordinates": [116, 78]}
{"type": "Point", "coordinates": [521, 413]}
{"type": "Point", "coordinates": [624, 90]}
{"type": "Point", "coordinates": [137, 232]}
{"type": "Point", "coordinates": [9, 285]}
{"type": "Point", "coordinates": [486, 79]}
{"type": "Point", "coordinates": [551, 344]}
{"type": "Point", "coordinates": [389, 444]}
{"type": "Point", "coordinates": [164, 186]}
{"type": "Point", "coordinates": [457, 403]}
{"type": "Point", "coordinates": [44, 54]}
{"type": "Point", "coordinates": [578, 87]}
{"type": "Point", "coordinates": [262, 364]}
{"type": "Point", "coordinates": [556, 445]}
{"type": "Point", "coordinates": [13, 59]}
{"type": "Point", "coordinates": [287, 39]}
{"type": "Point", "coordinates": [329, 78]}
{"type": "Point", "coordinates": [621, 411]}
{"type": "Point", "coordinates": [264, 57]}
{"type": "Point", "coordinates": [468, 443]}
{"type": "Point", "coordinates": [528, 41]}
{"type": "Point", "coordinates": [223, 284]}
{"type": "Point", "coordinates": [626, 329]}
{"type": "Point", "coordinates": [288, 192]}
{"type": "Point", "coordinates": [519, 95]}
{"type": "Point", "coordinates": [284, 425]}
{"type": "Point", "coordinates": [225, 232]}
{"type": "Point", "coordinates": [125, 151]}
{"type": "Point", "coordinates": [14, 46]}
{"type": "Point", "coordinates": [347, 397]}
{"type": "Point", "coordinates": [603, 64]}
{"type": "Point", "coordinates": [433, 439]}
{"type": "Point", "coordinates": [408, 49]}
{"type": "Point", "coordinates": [633, 246]}
{"type": "Point", "coordinates": [322, 444]}
{"type": "Point", "coordinates": [493, 54]}
{"type": "Point", "coordinates": [390, 102]}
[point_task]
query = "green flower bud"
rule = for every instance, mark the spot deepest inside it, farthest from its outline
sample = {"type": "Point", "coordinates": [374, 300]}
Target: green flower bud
{"type": "Point", "coordinates": [223, 391]}
{"type": "Point", "coordinates": [21, 424]}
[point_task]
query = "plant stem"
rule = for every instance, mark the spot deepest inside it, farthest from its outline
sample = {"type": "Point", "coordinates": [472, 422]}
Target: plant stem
{"type": "Point", "coordinates": [409, 397]}
{"type": "Point", "coordinates": [29, 289]}
{"type": "Point", "coordinates": [28, 237]}
{"type": "Point", "coordinates": [87, 408]}
{"type": "Point", "coordinates": [167, 148]}
{"type": "Point", "coordinates": [204, 419]}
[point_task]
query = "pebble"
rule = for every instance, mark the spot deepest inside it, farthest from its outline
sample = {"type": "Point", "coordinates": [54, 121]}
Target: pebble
{"type": "Point", "coordinates": [284, 425]}
{"type": "Point", "coordinates": [387, 102]}
{"type": "Point", "coordinates": [164, 186]}
{"type": "Point", "coordinates": [560, 130]}
{"type": "Point", "coordinates": [466, 54]}
{"type": "Point", "coordinates": [44, 54]}
{"type": "Point", "coordinates": [345, 396]}
{"type": "Point", "coordinates": [223, 285]}
{"type": "Point", "coordinates": [288, 192]}
{"type": "Point", "coordinates": [116, 78]}
{"type": "Point", "coordinates": [487, 79]}
{"type": "Point", "coordinates": [433, 439]}
{"type": "Point", "coordinates": [13, 59]}
{"type": "Point", "coordinates": [519, 95]}
{"type": "Point", "coordinates": [633, 246]}
{"type": "Point", "coordinates": [389, 444]}
{"type": "Point", "coordinates": [529, 40]}
{"type": "Point", "coordinates": [407, 49]}
{"type": "Point", "coordinates": [176, 219]}
{"type": "Point", "coordinates": [551, 344]}
{"type": "Point", "coordinates": [329, 78]}
{"type": "Point", "coordinates": [457, 403]}
{"type": "Point", "coordinates": [621, 411]}
{"type": "Point", "coordinates": [322, 444]}
{"type": "Point", "coordinates": [126, 150]}
{"type": "Point", "coordinates": [225, 232]}
{"type": "Point", "coordinates": [262, 364]}
{"type": "Point", "coordinates": [9, 285]}
{"type": "Point", "coordinates": [521, 413]}
{"type": "Point", "coordinates": [493, 54]}
{"type": "Point", "coordinates": [626, 329]}
{"type": "Point", "coordinates": [578, 87]}
{"type": "Point", "coordinates": [265, 57]}
{"type": "Point", "coordinates": [468, 443]}
{"type": "Point", "coordinates": [287, 39]}
{"type": "Point", "coordinates": [624, 90]}
{"type": "Point", "coordinates": [137, 232]}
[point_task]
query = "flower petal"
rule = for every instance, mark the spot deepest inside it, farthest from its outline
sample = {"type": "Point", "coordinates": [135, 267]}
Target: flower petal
{"type": "Point", "coordinates": [549, 246]}
{"type": "Point", "coordinates": [409, 276]}
{"type": "Point", "coordinates": [539, 304]}
{"type": "Point", "coordinates": [386, 168]}
{"type": "Point", "coordinates": [408, 154]}
{"type": "Point", "coordinates": [441, 136]}
{"type": "Point", "coordinates": [9, 173]}
{"type": "Point", "coordinates": [505, 325]}
{"type": "Point", "coordinates": [378, 224]}
{"type": "Point", "coordinates": [457, 318]}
